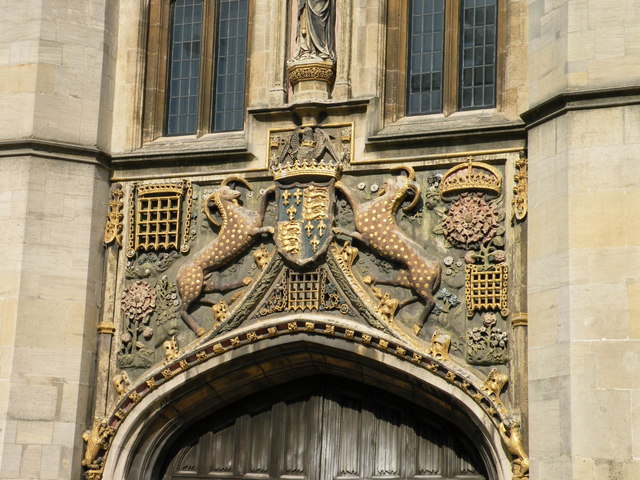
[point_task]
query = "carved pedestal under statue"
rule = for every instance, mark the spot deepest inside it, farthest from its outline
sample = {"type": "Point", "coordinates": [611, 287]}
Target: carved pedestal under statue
{"type": "Point", "coordinates": [312, 68]}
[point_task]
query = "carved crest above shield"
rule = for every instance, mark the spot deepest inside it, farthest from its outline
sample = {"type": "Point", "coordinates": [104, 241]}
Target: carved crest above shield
{"type": "Point", "coordinates": [305, 164]}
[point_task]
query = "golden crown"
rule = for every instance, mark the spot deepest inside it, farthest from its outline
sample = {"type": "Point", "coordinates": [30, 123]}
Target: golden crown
{"type": "Point", "coordinates": [471, 175]}
{"type": "Point", "coordinates": [306, 152]}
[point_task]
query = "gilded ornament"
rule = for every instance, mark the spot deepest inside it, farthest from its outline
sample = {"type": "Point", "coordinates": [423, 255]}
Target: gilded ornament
{"type": "Point", "coordinates": [122, 383]}
{"type": "Point", "coordinates": [471, 176]}
{"type": "Point", "coordinates": [387, 306]}
{"type": "Point", "coordinates": [521, 189]}
{"type": "Point", "coordinates": [167, 373]}
{"type": "Point", "coordinates": [316, 71]}
{"type": "Point", "coordinates": [512, 438]}
{"type": "Point", "coordinates": [156, 217]}
{"type": "Point", "coordinates": [494, 384]}
{"type": "Point", "coordinates": [151, 383]}
{"type": "Point", "coordinates": [416, 358]}
{"type": "Point", "coordinates": [218, 349]}
{"type": "Point", "coordinates": [310, 326]}
{"type": "Point", "coordinates": [184, 365]}
{"type": "Point", "coordinates": [292, 326]}
{"type": "Point", "coordinates": [252, 336]}
{"type": "Point", "coordinates": [201, 355]}
{"type": "Point", "coordinates": [440, 345]}
{"type": "Point", "coordinates": [239, 229]}
{"type": "Point", "coordinates": [383, 344]}
{"type": "Point", "coordinates": [235, 341]}
{"type": "Point", "coordinates": [376, 227]}
{"type": "Point", "coordinates": [289, 236]}
{"type": "Point", "coordinates": [134, 397]}
{"type": "Point", "coordinates": [349, 334]}
{"type": "Point", "coordinates": [486, 288]}
{"type": "Point", "coordinates": [366, 338]}
{"type": "Point", "coordinates": [113, 228]}
{"type": "Point", "coordinates": [171, 350]}
{"type": "Point", "coordinates": [97, 440]}
{"type": "Point", "coordinates": [261, 256]}
{"type": "Point", "coordinates": [400, 351]}
{"type": "Point", "coordinates": [308, 151]}
{"type": "Point", "coordinates": [272, 331]}
{"type": "Point", "coordinates": [450, 376]}
{"type": "Point", "coordinates": [220, 311]}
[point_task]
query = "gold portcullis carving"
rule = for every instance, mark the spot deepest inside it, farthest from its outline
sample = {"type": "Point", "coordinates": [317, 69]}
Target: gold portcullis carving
{"type": "Point", "coordinates": [486, 288]}
{"type": "Point", "coordinates": [113, 228]}
{"type": "Point", "coordinates": [155, 217]}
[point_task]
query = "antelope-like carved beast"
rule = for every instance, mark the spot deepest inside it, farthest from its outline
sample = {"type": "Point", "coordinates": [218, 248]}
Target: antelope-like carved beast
{"type": "Point", "coordinates": [238, 231]}
{"type": "Point", "coordinates": [376, 227]}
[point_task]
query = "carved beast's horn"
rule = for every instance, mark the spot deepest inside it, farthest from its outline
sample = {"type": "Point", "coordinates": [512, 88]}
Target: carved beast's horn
{"type": "Point", "coordinates": [235, 178]}
{"type": "Point", "coordinates": [216, 200]}
{"type": "Point", "coordinates": [411, 174]}
{"type": "Point", "coordinates": [417, 193]}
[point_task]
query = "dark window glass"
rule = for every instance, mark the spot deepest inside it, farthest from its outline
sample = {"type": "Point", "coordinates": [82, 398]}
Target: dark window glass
{"type": "Point", "coordinates": [426, 40]}
{"type": "Point", "coordinates": [184, 67]}
{"type": "Point", "coordinates": [231, 60]}
{"type": "Point", "coordinates": [477, 81]}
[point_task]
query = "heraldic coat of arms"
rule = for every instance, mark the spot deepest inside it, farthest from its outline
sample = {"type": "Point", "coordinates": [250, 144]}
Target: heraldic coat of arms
{"type": "Point", "coordinates": [305, 173]}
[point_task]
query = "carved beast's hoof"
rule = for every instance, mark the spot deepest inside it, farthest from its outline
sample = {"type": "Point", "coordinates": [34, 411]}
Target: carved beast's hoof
{"type": "Point", "coordinates": [201, 331]}
{"type": "Point", "coordinates": [367, 279]}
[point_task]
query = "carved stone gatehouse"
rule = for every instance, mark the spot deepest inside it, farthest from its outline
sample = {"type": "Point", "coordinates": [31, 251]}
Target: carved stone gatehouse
{"type": "Point", "coordinates": [319, 239]}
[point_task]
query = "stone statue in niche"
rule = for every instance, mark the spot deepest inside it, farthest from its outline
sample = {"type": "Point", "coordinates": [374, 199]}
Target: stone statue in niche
{"type": "Point", "coordinates": [315, 37]}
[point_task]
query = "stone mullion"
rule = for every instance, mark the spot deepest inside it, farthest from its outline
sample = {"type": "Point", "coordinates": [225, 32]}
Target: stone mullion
{"type": "Point", "coordinates": [278, 12]}
{"type": "Point", "coordinates": [344, 14]}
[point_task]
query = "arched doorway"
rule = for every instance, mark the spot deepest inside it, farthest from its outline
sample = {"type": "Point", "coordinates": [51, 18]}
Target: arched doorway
{"type": "Point", "coordinates": [326, 428]}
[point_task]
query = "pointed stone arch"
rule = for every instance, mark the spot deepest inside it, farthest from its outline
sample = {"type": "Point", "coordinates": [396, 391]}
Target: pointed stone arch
{"type": "Point", "coordinates": [148, 424]}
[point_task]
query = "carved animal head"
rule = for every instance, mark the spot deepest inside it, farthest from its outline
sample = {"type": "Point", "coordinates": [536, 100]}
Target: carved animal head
{"type": "Point", "coordinates": [398, 188]}
{"type": "Point", "coordinates": [224, 195]}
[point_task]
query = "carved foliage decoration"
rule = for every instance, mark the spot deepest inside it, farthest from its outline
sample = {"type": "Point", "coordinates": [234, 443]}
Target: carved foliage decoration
{"type": "Point", "coordinates": [521, 190]}
{"type": "Point", "coordinates": [156, 217]}
{"type": "Point", "coordinates": [113, 228]}
{"type": "Point", "coordinates": [138, 302]}
{"type": "Point", "coordinates": [487, 344]}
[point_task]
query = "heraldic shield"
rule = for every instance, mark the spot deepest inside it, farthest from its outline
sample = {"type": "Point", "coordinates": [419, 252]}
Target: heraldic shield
{"type": "Point", "coordinates": [305, 220]}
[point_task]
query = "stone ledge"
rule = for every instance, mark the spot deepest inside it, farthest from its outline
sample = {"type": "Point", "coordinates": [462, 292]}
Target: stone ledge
{"type": "Point", "coordinates": [481, 124]}
{"type": "Point", "coordinates": [581, 100]}
{"type": "Point", "coordinates": [42, 148]}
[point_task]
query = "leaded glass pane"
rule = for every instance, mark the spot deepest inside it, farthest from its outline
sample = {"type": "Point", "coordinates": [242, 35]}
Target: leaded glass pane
{"type": "Point", "coordinates": [184, 67]}
{"type": "Point", "coordinates": [231, 61]}
{"type": "Point", "coordinates": [477, 81]}
{"type": "Point", "coordinates": [424, 79]}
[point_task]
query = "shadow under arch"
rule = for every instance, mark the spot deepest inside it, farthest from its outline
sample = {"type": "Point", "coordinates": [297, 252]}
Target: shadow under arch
{"type": "Point", "coordinates": [148, 433]}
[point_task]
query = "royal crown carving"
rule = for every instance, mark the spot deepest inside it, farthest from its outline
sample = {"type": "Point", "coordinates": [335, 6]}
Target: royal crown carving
{"type": "Point", "coordinates": [471, 176]}
{"type": "Point", "coordinates": [309, 151]}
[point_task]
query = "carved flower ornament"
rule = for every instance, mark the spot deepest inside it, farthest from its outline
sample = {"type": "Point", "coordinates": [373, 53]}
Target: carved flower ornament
{"type": "Point", "coordinates": [470, 222]}
{"type": "Point", "coordinates": [138, 300]}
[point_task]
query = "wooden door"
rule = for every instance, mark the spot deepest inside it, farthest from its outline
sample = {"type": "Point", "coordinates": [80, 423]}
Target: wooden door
{"type": "Point", "coordinates": [324, 429]}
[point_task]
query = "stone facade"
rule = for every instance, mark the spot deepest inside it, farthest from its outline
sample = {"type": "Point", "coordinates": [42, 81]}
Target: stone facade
{"type": "Point", "coordinates": [541, 190]}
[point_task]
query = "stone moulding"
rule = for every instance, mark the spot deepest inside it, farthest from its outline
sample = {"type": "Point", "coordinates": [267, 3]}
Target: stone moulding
{"type": "Point", "coordinates": [315, 71]}
{"type": "Point", "coordinates": [489, 401]}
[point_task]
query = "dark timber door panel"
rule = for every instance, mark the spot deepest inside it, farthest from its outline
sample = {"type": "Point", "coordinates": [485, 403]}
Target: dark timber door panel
{"type": "Point", "coordinates": [324, 429]}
